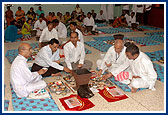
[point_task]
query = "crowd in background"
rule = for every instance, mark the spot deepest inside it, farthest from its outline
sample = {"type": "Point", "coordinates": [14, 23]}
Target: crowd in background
{"type": "Point", "coordinates": [26, 22]}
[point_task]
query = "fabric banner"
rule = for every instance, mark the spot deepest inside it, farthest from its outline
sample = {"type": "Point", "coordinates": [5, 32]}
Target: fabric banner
{"type": "Point", "coordinates": [110, 11]}
{"type": "Point", "coordinates": [104, 8]}
{"type": "Point", "coordinates": [76, 103]}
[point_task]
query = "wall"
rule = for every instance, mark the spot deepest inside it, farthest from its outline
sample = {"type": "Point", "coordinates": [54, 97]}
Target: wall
{"type": "Point", "coordinates": [64, 7]}
{"type": "Point", "coordinates": [56, 7]}
{"type": "Point", "coordinates": [156, 17]}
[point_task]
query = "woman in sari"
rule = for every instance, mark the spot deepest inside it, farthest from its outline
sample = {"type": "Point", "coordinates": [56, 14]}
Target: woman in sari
{"type": "Point", "coordinates": [120, 22]}
{"type": "Point", "coordinates": [31, 14]}
{"type": "Point", "coordinates": [67, 17]}
{"type": "Point", "coordinates": [26, 28]}
{"type": "Point", "coordinates": [19, 13]}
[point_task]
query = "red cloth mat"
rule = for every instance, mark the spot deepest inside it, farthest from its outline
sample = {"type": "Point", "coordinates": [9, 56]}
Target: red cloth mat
{"type": "Point", "coordinates": [108, 97]}
{"type": "Point", "coordinates": [77, 103]}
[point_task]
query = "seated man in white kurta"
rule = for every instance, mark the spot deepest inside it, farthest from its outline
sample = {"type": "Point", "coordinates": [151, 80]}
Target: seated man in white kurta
{"type": "Point", "coordinates": [143, 73]}
{"type": "Point", "coordinates": [39, 26]}
{"type": "Point", "coordinates": [48, 33]}
{"type": "Point", "coordinates": [73, 27]}
{"type": "Point", "coordinates": [131, 19]}
{"type": "Point", "coordinates": [22, 79]}
{"type": "Point", "coordinates": [100, 18]}
{"type": "Point", "coordinates": [89, 23]}
{"type": "Point", "coordinates": [61, 28]}
{"type": "Point", "coordinates": [74, 52]}
{"type": "Point", "coordinates": [116, 62]}
{"type": "Point", "coordinates": [48, 57]}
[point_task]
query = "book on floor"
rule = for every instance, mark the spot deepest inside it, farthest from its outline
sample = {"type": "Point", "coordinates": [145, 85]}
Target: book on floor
{"type": "Point", "coordinates": [72, 102]}
{"type": "Point", "coordinates": [115, 92]}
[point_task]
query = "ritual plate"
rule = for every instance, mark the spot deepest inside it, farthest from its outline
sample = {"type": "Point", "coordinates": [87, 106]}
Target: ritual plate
{"type": "Point", "coordinates": [58, 88]}
{"type": "Point", "coordinates": [69, 79]}
{"type": "Point", "coordinates": [99, 83]}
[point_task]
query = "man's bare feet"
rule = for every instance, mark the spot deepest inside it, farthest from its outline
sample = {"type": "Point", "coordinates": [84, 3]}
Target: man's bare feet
{"type": "Point", "coordinates": [57, 74]}
{"type": "Point", "coordinates": [133, 90]}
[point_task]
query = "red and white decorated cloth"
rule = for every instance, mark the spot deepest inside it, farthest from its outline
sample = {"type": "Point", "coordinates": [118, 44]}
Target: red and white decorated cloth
{"type": "Point", "coordinates": [122, 76]}
{"type": "Point", "coordinates": [76, 103]}
{"type": "Point", "coordinates": [112, 94]}
{"type": "Point", "coordinates": [62, 53]}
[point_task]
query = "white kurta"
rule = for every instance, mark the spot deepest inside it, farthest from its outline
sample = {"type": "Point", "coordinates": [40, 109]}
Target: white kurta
{"type": "Point", "coordinates": [22, 79]}
{"type": "Point", "coordinates": [40, 25]}
{"type": "Point", "coordinates": [74, 54]}
{"type": "Point", "coordinates": [89, 22]}
{"type": "Point", "coordinates": [45, 58]}
{"type": "Point", "coordinates": [130, 20]}
{"type": "Point", "coordinates": [143, 67]}
{"type": "Point", "coordinates": [100, 17]}
{"type": "Point", "coordinates": [110, 11]}
{"type": "Point", "coordinates": [62, 30]}
{"type": "Point", "coordinates": [48, 35]}
{"type": "Point", "coordinates": [119, 62]}
{"type": "Point", "coordinates": [80, 35]}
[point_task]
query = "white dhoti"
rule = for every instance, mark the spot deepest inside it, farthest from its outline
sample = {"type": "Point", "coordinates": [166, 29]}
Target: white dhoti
{"type": "Point", "coordinates": [36, 85]}
{"type": "Point", "coordinates": [94, 27]}
{"type": "Point", "coordinates": [38, 33]}
{"type": "Point", "coordinates": [24, 91]}
{"type": "Point", "coordinates": [139, 83]}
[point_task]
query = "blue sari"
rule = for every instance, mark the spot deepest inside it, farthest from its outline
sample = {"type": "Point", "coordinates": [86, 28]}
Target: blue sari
{"type": "Point", "coordinates": [11, 34]}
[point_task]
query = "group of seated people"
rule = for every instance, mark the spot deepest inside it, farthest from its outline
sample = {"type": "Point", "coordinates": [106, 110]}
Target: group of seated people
{"type": "Point", "coordinates": [125, 20]}
{"type": "Point", "coordinates": [38, 22]}
{"type": "Point", "coordinates": [25, 81]}
{"type": "Point", "coordinates": [86, 24]}
{"type": "Point", "coordinates": [127, 65]}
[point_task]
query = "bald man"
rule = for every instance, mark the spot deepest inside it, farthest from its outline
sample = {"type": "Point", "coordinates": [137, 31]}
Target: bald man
{"type": "Point", "coordinates": [22, 79]}
{"type": "Point", "coordinates": [116, 62]}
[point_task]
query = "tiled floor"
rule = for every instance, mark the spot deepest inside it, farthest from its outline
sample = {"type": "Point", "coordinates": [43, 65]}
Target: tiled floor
{"type": "Point", "coordinates": [145, 100]}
